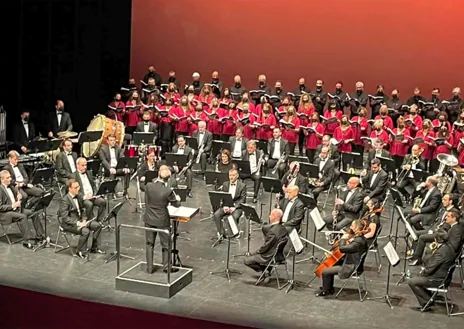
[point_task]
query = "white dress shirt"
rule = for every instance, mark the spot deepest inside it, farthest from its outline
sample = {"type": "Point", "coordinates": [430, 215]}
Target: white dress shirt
{"type": "Point", "coordinates": [253, 165]}
{"type": "Point", "coordinates": [233, 189]}
{"type": "Point", "coordinates": [349, 195]}
{"type": "Point", "coordinates": [276, 153]}
{"type": "Point", "coordinates": [113, 161]}
{"type": "Point", "coordinates": [180, 150]}
{"type": "Point", "coordinates": [10, 194]}
{"type": "Point", "coordinates": [146, 127]}
{"type": "Point", "coordinates": [26, 128]}
{"type": "Point", "coordinates": [237, 149]}
{"type": "Point", "coordinates": [287, 210]}
{"type": "Point", "coordinates": [18, 176]}
{"type": "Point", "coordinates": [201, 136]}
{"type": "Point", "coordinates": [76, 203]}
{"type": "Point", "coordinates": [58, 117]}
{"type": "Point", "coordinates": [426, 197]}
{"type": "Point", "coordinates": [71, 162]}
{"type": "Point", "coordinates": [374, 176]}
{"type": "Point", "coordinates": [86, 186]}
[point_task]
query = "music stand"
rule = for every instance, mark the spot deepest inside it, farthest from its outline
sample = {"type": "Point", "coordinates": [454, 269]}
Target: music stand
{"type": "Point", "coordinates": [182, 193]}
{"type": "Point", "coordinates": [106, 188]}
{"type": "Point", "coordinates": [309, 170]}
{"type": "Point", "coordinates": [261, 145]}
{"type": "Point", "coordinates": [218, 200]}
{"type": "Point", "coordinates": [88, 137]}
{"type": "Point", "coordinates": [272, 185]}
{"type": "Point", "coordinates": [192, 142]}
{"type": "Point", "coordinates": [409, 231]}
{"type": "Point", "coordinates": [174, 159]}
{"type": "Point", "coordinates": [387, 164]}
{"type": "Point", "coordinates": [355, 160]}
{"type": "Point", "coordinates": [218, 146]}
{"type": "Point", "coordinates": [293, 158]}
{"type": "Point", "coordinates": [42, 204]}
{"type": "Point", "coordinates": [243, 167]}
{"type": "Point", "coordinates": [93, 165]}
{"type": "Point", "coordinates": [420, 175]}
{"type": "Point", "coordinates": [150, 175]}
{"type": "Point", "coordinates": [251, 215]}
{"type": "Point", "coordinates": [42, 175]}
{"type": "Point", "coordinates": [131, 164]}
{"type": "Point", "coordinates": [216, 178]}
{"type": "Point", "coordinates": [346, 176]}
{"type": "Point", "coordinates": [309, 203]}
{"type": "Point", "coordinates": [114, 214]}
{"type": "Point", "coordinates": [143, 138]}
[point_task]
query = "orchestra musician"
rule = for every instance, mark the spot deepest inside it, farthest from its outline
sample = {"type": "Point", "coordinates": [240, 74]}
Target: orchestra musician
{"type": "Point", "coordinates": [20, 179]}
{"type": "Point", "coordinates": [353, 244]}
{"type": "Point", "coordinates": [158, 196]}
{"type": "Point", "coordinates": [72, 219]}
{"type": "Point", "coordinates": [326, 172]}
{"type": "Point", "coordinates": [377, 151]}
{"type": "Point", "coordinates": [293, 177]}
{"type": "Point", "coordinates": [424, 213]}
{"type": "Point", "coordinates": [374, 181]}
{"type": "Point", "coordinates": [372, 218]}
{"type": "Point", "coordinates": [356, 100]}
{"type": "Point", "coordinates": [293, 208]}
{"type": "Point", "coordinates": [347, 206]}
{"type": "Point", "coordinates": [88, 189]}
{"type": "Point", "coordinates": [146, 125]}
{"type": "Point", "coordinates": [11, 211]}
{"type": "Point", "coordinates": [447, 218]}
{"type": "Point", "coordinates": [65, 163]}
{"type": "Point", "coordinates": [411, 162]}
{"type": "Point", "coordinates": [435, 270]}
{"type": "Point", "coordinates": [59, 120]}
{"type": "Point", "coordinates": [334, 155]}
{"type": "Point", "coordinates": [278, 150]}
{"type": "Point", "coordinates": [238, 190]}
{"type": "Point", "coordinates": [274, 234]}
{"type": "Point", "coordinates": [148, 165]}
{"type": "Point", "coordinates": [205, 142]}
{"type": "Point", "coordinates": [181, 148]}
{"type": "Point", "coordinates": [23, 131]}
{"type": "Point", "coordinates": [109, 155]}
{"type": "Point", "coordinates": [238, 143]}
{"type": "Point", "coordinates": [313, 131]}
{"type": "Point", "coordinates": [256, 159]}
{"type": "Point", "coordinates": [225, 164]}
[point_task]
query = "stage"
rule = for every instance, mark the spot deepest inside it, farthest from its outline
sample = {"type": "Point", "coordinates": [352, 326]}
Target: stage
{"type": "Point", "coordinates": [212, 297]}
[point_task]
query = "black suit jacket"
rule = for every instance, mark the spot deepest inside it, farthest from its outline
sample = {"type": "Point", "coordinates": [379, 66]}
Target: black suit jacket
{"type": "Point", "coordinates": [9, 167]}
{"type": "Point", "coordinates": [187, 150]}
{"type": "Point", "coordinates": [65, 123]}
{"type": "Point", "coordinates": [5, 202]}
{"type": "Point", "coordinates": [371, 155]}
{"type": "Point", "coordinates": [353, 253]}
{"type": "Point", "coordinates": [300, 181]}
{"type": "Point", "coordinates": [433, 203]}
{"type": "Point", "coordinates": [62, 165]}
{"type": "Point", "coordinates": [438, 264]}
{"type": "Point", "coordinates": [273, 236]}
{"type": "Point", "coordinates": [19, 134]}
{"type": "Point", "coordinates": [353, 206]}
{"type": "Point", "coordinates": [246, 156]}
{"type": "Point", "coordinates": [327, 171]}
{"type": "Point", "coordinates": [296, 214]}
{"type": "Point", "coordinates": [455, 236]}
{"type": "Point", "coordinates": [378, 188]}
{"type": "Point", "coordinates": [157, 199]}
{"type": "Point", "coordinates": [207, 140]}
{"type": "Point", "coordinates": [284, 147]}
{"type": "Point", "coordinates": [77, 176]}
{"type": "Point", "coordinates": [153, 128]}
{"type": "Point", "coordinates": [420, 165]}
{"type": "Point", "coordinates": [233, 140]}
{"type": "Point", "coordinates": [68, 213]}
{"type": "Point", "coordinates": [105, 155]}
{"type": "Point", "coordinates": [240, 192]}
{"type": "Point", "coordinates": [334, 154]}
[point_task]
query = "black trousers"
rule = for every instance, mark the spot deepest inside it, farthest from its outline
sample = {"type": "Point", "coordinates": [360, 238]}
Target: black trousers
{"type": "Point", "coordinates": [310, 153]}
{"type": "Point", "coordinates": [421, 221]}
{"type": "Point", "coordinates": [256, 182]}
{"type": "Point", "coordinates": [408, 181]}
{"type": "Point", "coordinates": [292, 146]}
{"type": "Point", "coordinates": [188, 178]}
{"type": "Point", "coordinates": [328, 277]}
{"type": "Point", "coordinates": [150, 238]}
{"type": "Point", "coordinates": [39, 230]}
{"type": "Point", "coordinates": [6, 218]}
{"type": "Point", "coordinates": [27, 192]}
{"type": "Point", "coordinates": [420, 246]}
{"type": "Point", "coordinates": [301, 143]}
{"type": "Point", "coordinates": [342, 222]}
{"type": "Point", "coordinates": [280, 170]}
{"type": "Point", "coordinates": [419, 287]}
{"type": "Point", "coordinates": [203, 162]}
{"type": "Point", "coordinates": [255, 263]}
{"type": "Point", "coordinates": [358, 149]}
{"type": "Point", "coordinates": [100, 203]}
{"type": "Point", "coordinates": [220, 214]}
{"type": "Point", "coordinates": [317, 190]}
{"type": "Point", "coordinates": [84, 233]}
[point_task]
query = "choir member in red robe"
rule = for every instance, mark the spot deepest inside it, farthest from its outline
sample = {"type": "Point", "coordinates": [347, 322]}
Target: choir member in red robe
{"type": "Point", "coordinates": [245, 100]}
{"type": "Point", "coordinates": [399, 142]}
{"type": "Point", "coordinates": [283, 109]}
{"type": "Point", "coordinates": [413, 120]}
{"type": "Point", "coordinates": [259, 107]}
{"type": "Point", "coordinates": [378, 132]}
{"type": "Point", "coordinates": [226, 96]}
{"type": "Point", "coordinates": [458, 132]}
{"type": "Point", "coordinates": [441, 120]}
{"type": "Point", "coordinates": [290, 124]}
{"type": "Point", "coordinates": [228, 118]}
{"type": "Point", "coordinates": [134, 111]}
{"type": "Point", "coordinates": [314, 133]}
{"type": "Point", "coordinates": [443, 143]}
{"type": "Point", "coordinates": [426, 133]}
{"type": "Point", "coordinates": [206, 96]}
{"type": "Point", "coordinates": [383, 115]}
{"type": "Point", "coordinates": [306, 109]}
{"type": "Point", "coordinates": [344, 135]}
{"type": "Point", "coordinates": [191, 96]}
{"type": "Point", "coordinates": [266, 123]}
{"type": "Point", "coordinates": [117, 109]}
{"type": "Point", "coordinates": [172, 92]}
{"type": "Point", "coordinates": [180, 116]}
{"type": "Point", "coordinates": [196, 116]}
{"type": "Point", "coordinates": [214, 125]}
{"type": "Point", "coordinates": [360, 127]}
{"type": "Point", "coordinates": [329, 114]}
{"type": "Point", "coordinates": [460, 149]}
{"type": "Point", "coordinates": [246, 120]}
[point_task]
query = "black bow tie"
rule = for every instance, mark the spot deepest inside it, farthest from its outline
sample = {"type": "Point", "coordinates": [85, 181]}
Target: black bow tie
{"type": "Point", "coordinates": [59, 113]}
{"type": "Point", "coordinates": [25, 123]}
{"type": "Point", "coordinates": [69, 154]}
{"type": "Point", "coordinates": [233, 184]}
{"type": "Point", "coordinates": [202, 133]}
{"type": "Point", "coordinates": [75, 197]}
{"type": "Point", "coordinates": [112, 147]}
{"type": "Point", "coordinates": [181, 148]}
{"type": "Point", "coordinates": [146, 123]}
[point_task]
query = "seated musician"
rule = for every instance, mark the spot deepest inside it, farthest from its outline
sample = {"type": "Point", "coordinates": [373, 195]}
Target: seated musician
{"type": "Point", "coordinates": [59, 120]}
{"type": "Point", "coordinates": [147, 126]}
{"type": "Point", "coordinates": [449, 222]}
{"type": "Point", "coordinates": [71, 217]}
{"type": "Point", "coordinates": [205, 143]}
{"type": "Point", "coordinates": [293, 178]}
{"type": "Point", "coordinates": [435, 270]}
{"type": "Point", "coordinates": [278, 148]}
{"type": "Point", "coordinates": [87, 191]}
{"type": "Point", "coordinates": [65, 163]}
{"type": "Point", "coordinates": [109, 156]}
{"type": "Point", "coordinates": [256, 159]}
{"type": "Point", "coordinates": [374, 181]}
{"type": "Point", "coordinates": [274, 234]}
{"type": "Point", "coordinates": [334, 155]}
{"type": "Point", "coordinates": [377, 151]}
{"type": "Point", "coordinates": [293, 208]}
{"type": "Point", "coordinates": [23, 131]}
{"type": "Point", "coordinates": [347, 206]}
{"type": "Point", "coordinates": [372, 218]}
{"type": "Point", "coordinates": [20, 179]}
{"type": "Point", "coordinates": [181, 148]}
{"type": "Point", "coordinates": [411, 162]}
{"type": "Point", "coordinates": [326, 172]}
{"type": "Point", "coordinates": [238, 143]}
{"type": "Point", "coordinates": [423, 214]}
{"type": "Point", "coordinates": [237, 189]}
{"type": "Point", "coordinates": [11, 211]}
{"type": "Point", "coordinates": [148, 165]}
{"type": "Point", "coordinates": [353, 244]}
{"type": "Point", "coordinates": [225, 163]}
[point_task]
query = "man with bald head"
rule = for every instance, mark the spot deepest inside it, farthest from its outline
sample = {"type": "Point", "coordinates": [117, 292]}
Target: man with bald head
{"type": "Point", "coordinates": [274, 235]}
{"type": "Point", "coordinates": [348, 206]}
{"type": "Point", "coordinates": [205, 142]}
{"type": "Point", "coordinates": [237, 89]}
{"type": "Point", "coordinates": [454, 105]}
{"type": "Point", "coordinates": [196, 83]}
{"type": "Point", "coordinates": [261, 90]}
{"type": "Point", "coordinates": [293, 178]}
{"type": "Point", "coordinates": [293, 209]}
{"type": "Point", "coordinates": [357, 99]}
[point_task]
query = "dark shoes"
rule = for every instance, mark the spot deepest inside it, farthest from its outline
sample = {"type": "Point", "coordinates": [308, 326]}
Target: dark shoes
{"type": "Point", "coordinates": [324, 293]}
{"type": "Point", "coordinates": [173, 270]}
{"type": "Point", "coordinates": [190, 195]}
{"type": "Point", "coordinates": [28, 245]}
{"type": "Point", "coordinates": [414, 262]}
{"type": "Point", "coordinates": [81, 255]}
{"type": "Point", "coordinates": [97, 251]}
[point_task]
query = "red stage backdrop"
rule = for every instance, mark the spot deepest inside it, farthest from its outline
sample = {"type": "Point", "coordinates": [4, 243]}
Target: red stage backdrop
{"type": "Point", "coordinates": [397, 43]}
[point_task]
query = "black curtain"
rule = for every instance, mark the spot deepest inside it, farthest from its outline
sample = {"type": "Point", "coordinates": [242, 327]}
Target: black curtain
{"type": "Point", "coordinates": [74, 50]}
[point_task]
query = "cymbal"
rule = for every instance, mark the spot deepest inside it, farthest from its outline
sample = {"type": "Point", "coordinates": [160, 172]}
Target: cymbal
{"type": "Point", "coordinates": [67, 134]}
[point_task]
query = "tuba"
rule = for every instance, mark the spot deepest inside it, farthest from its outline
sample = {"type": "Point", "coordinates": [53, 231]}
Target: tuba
{"type": "Point", "coordinates": [445, 182]}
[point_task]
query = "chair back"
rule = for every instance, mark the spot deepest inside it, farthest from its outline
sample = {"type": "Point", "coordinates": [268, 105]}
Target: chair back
{"type": "Point", "coordinates": [279, 255]}
{"type": "Point", "coordinates": [360, 264]}
{"type": "Point", "coordinates": [376, 236]}
{"type": "Point", "coordinates": [449, 277]}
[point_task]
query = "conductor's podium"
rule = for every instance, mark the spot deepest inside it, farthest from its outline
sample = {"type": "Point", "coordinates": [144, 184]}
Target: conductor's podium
{"type": "Point", "coordinates": [158, 284]}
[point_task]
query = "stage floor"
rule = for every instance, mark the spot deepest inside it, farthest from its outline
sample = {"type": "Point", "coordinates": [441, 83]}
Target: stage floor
{"type": "Point", "coordinates": [213, 297]}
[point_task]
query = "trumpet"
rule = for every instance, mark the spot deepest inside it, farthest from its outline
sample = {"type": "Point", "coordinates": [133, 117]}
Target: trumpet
{"type": "Point", "coordinates": [281, 160]}
{"type": "Point", "coordinates": [261, 162]}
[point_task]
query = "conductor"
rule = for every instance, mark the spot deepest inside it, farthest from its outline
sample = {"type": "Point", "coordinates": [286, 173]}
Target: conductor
{"type": "Point", "coordinates": [157, 198]}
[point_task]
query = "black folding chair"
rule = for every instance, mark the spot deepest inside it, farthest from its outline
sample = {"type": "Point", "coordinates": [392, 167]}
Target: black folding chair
{"type": "Point", "coordinates": [357, 275]}
{"type": "Point", "coordinates": [277, 259]}
{"type": "Point", "coordinates": [374, 248]}
{"type": "Point", "coordinates": [443, 289]}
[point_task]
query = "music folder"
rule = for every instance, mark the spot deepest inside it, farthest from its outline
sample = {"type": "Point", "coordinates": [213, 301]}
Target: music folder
{"type": "Point", "coordinates": [127, 163]}
{"type": "Point", "coordinates": [309, 170]}
{"type": "Point", "coordinates": [317, 219]}
{"type": "Point", "coordinates": [214, 177]}
{"type": "Point", "coordinates": [221, 199]}
{"type": "Point", "coordinates": [391, 253]}
{"type": "Point", "coordinates": [107, 187]}
{"type": "Point", "coordinates": [296, 241]}
{"type": "Point", "coordinates": [174, 159]}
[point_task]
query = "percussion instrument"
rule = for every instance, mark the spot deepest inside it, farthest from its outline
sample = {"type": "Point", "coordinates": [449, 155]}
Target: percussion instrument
{"type": "Point", "coordinates": [131, 151]}
{"type": "Point", "coordinates": [109, 127]}
{"type": "Point", "coordinates": [67, 134]}
{"type": "Point", "coordinates": [50, 156]}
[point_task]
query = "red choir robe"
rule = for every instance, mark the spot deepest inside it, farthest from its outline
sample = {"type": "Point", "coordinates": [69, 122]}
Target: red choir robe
{"type": "Point", "coordinates": [382, 135]}
{"type": "Point", "coordinates": [194, 118]}
{"type": "Point", "coordinates": [417, 120]}
{"type": "Point", "coordinates": [387, 121]}
{"type": "Point", "coordinates": [258, 110]}
{"type": "Point", "coordinates": [312, 139]}
{"type": "Point", "coordinates": [206, 99]}
{"type": "Point", "coordinates": [330, 127]}
{"type": "Point", "coordinates": [305, 120]}
{"type": "Point", "coordinates": [457, 135]}
{"type": "Point", "coordinates": [229, 121]}
{"type": "Point", "coordinates": [265, 133]}
{"type": "Point", "coordinates": [399, 147]}
{"type": "Point", "coordinates": [174, 96]}
{"type": "Point", "coordinates": [134, 116]}
{"type": "Point", "coordinates": [443, 148]}
{"type": "Point", "coordinates": [182, 125]}
{"type": "Point", "coordinates": [427, 144]}
{"type": "Point", "coordinates": [460, 149]}
{"type": "Point", "coordinates": [114, 114]}
{"type": "Point", "coordinates": [214, 125]}
{"type": "Point", "coordinates": [344, 137]}
{"type": "Point", "coordinates": [165, 110]}
{"type": "Point", "coordinates": [360, 127]}
{"type": "Point", "coordinates": [281, 112]}
{"type": "Point", "coordinates": [248, 128]}
{"type": "Point", "coordinates": [251, 106]}
{"type": "Point", "coordinates": [436, 124]}
{"type": "Point", "coordinates": [290, 134]}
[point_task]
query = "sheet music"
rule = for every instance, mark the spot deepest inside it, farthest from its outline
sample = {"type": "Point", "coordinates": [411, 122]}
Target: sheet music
{"type": "Point", "coordinates": [317, 219]}
{"type": "Point", "coordinates": [186, 212]}
{"type": "Point", "coordinates": [232, 225]}
{"type": "Point", "coordinates": [409, 228]}
{"type": "Point", "coordinates": [391, 253]}
{"type": "Point", "coordinates": [296, 241]}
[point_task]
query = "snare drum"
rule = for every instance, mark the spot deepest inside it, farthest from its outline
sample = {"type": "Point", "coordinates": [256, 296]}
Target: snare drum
{"type": "Point", "coordinates": [131, 151]}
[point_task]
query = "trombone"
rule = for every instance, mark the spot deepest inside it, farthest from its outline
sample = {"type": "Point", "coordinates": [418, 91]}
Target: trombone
{"type": "Point", "coordinates": [413, 160]}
